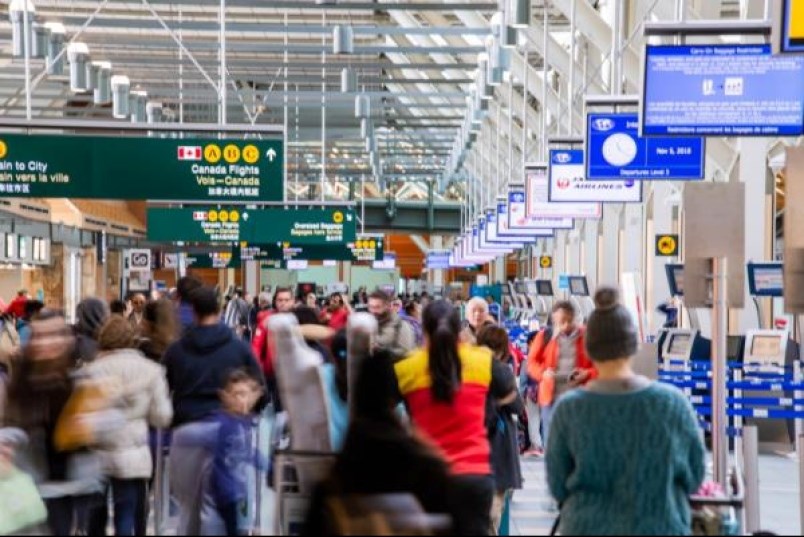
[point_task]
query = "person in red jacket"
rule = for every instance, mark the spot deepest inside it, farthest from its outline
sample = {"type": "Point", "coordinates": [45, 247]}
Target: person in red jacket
{"type": "Point", "coordinates": [262, 343]}
{"type": "Point", "coordinates": [337, 314]}
{"type": "Point", "coordinates": [17, 306]}
{"type": "Point", "coordinates": [557, 361]}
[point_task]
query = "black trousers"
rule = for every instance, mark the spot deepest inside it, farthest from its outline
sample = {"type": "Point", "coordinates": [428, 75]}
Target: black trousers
{"type": "Point", "coordinates": [470, 500]}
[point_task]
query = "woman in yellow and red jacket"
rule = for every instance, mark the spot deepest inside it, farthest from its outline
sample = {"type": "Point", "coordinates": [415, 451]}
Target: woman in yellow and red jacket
{"type": "Point", "coordinates": [557, 360]}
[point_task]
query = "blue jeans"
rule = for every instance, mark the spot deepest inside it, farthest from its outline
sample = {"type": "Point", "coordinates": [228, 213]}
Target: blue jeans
{"type": "Point", "coordinates": [129, 497]}
{"type": "Point", "coordinates": [547, 418]}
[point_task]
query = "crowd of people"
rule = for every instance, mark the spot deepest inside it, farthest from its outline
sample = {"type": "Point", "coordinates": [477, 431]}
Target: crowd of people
{"type": "Point", "coordinates": [441, 409]}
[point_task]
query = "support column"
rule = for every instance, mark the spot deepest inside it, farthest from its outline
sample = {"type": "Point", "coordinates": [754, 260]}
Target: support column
{"type": "Point", "coordinates": [437, 243]}
{"type": "Point", "coordinates": [634, 238]}
{"type": "Point", "coordinates": [658, 289]}
{"type": "Point", "coordinates": [499, 270]}
{"type": "Point", "coordinates": [609, 252]}
{"type": "Point", "coordinates": [758, 178]}
{"type": "Point", "coordinates": [252, 283]}
{"type": "Point", "coordinates": [589, 236]}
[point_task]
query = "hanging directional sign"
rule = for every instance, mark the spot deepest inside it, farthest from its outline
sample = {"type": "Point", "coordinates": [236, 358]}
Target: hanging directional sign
{"type": "Point", "coordinates": [614, 150]}
{"type": "Point", "coordinates": [123, 168]}
{"type": "Point", "coordinates": [538, 204]}
{"type": "Point", "coordinates": [722, 90]}
{"type": "Point", "coordinates": [667, 245]}
{"type": "Point", "coordinates": [215, 260]}
{"type": "Point", "coordinates": [258, 226]}
{"type": "Point", "coordinates": [546, 262]}
{"type": "Point", "coordinates": [370, 250]}
{"type": "Point", "coordinates": [567, 182]}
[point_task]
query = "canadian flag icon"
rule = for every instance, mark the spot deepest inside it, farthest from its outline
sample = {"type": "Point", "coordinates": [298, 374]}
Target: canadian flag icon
{"type": "Point", "coordinates": [200, 216]}
{"type": "Point", "coordinates": [189, 152]}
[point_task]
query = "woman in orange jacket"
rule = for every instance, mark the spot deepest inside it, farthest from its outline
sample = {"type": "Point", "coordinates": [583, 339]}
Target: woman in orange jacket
{"type": "Point", "coordinates": [557, 360]}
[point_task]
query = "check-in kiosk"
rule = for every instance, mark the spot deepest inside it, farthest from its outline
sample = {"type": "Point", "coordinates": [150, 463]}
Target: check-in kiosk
{"type": "Point", "coordinates": [540, 293]}
{"type": "Point", "coordinates": [765, 280]}
{"type": "Point", "coordinates": [521, 301]}
{"type": "Point", "coordinates": [769, 352]}
{"type": "Point", "coordinates": [579, 296]}
{"type": "Point", "coordinates": [508, 305]}
{"type": "Point", "coordinates": [685, 345]}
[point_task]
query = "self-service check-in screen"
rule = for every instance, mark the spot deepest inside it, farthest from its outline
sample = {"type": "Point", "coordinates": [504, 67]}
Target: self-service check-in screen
{"type": "Point", "coordinates": [679, 345]}
{"type": "Point", "coordinates": [519, 288]}
{"type": "Point", "coordinates": [544, 287]}
{"type": "Point", "coordinates": [766, 346]}
{"type": "Point", "coordinates": [579, 287]}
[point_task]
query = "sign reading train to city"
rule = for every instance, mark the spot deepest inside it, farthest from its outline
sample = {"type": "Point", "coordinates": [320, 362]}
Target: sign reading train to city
{"type": "Point", "coordinates": [159, 169]}
{"type": "Point", "coordinates": [254, 226]}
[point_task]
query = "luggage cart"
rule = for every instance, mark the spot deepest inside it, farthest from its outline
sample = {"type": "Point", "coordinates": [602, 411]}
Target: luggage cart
{"type": "Point", "coordinates": [720, 516]}
{"type": "Point", "coordinates": [296, 473]}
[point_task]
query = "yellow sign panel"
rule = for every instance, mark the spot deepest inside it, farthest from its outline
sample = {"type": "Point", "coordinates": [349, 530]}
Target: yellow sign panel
{"type": "Point", "coordinates": [796, 21]}
{"type": "Point", "coordinates": [231, 153]}
{"type": "Point", "coordinates": [667, 245]}
{"type": "Point", "coordinates": [337, 217]}
{"type": "Point", "coordinates": [546, 261]}
{"type": "Point", "coordinates": [223, 216]}
{"type": "Point", "coordinates": [251, 154]}
{"type": "Point", "coordinates": [212, 216]}
{"type": "Point", "coordinates": [3, 149]}
{"type": "Point", "coordinates": [212, 154]}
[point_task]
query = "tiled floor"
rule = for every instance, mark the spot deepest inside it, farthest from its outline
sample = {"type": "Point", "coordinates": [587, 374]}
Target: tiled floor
{"type": "Point", "coordinates": [779, 498]}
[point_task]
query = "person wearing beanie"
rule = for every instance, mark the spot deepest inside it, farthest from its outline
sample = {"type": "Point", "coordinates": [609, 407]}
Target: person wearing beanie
{"type": "Point", "coordinates": [138, 389]}
{"type": "Point", "coordinates": [557, 361]}
{"type": "Point", "coordinates": [624, 453]}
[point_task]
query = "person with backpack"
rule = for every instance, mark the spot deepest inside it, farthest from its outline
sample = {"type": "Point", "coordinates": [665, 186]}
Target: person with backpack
{"type": "Point", "coordinates": [608, 438]}
{"type": "Point", "coordinates": [236, 315]}
{"type": "Point", "coordinates": [558, 362]}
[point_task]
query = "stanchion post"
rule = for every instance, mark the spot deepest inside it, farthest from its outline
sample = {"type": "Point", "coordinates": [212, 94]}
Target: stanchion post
{"type": "Point", "coordinates": [751, 473]}
{"type": "Point", "coordinates": [720, 445]}
{"type": "Point", "coordinates": [739, 423]}
{"type": "Point", "coordinates": [159, 490]}
{"type": "Point", "coordinates": [800, 442]}
{"type": "Point", "coordinates": [798, 394]}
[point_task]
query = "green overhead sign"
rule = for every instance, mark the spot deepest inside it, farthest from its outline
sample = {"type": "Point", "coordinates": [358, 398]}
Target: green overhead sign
{"type": "Point", "coordinates": [215, 260]}
{"type": "Point", "coordinates": [362, 249]}
{"type": "Point", "coordinates": [256, 226]}
{"type": "Point", "coordinates": [189, 169]}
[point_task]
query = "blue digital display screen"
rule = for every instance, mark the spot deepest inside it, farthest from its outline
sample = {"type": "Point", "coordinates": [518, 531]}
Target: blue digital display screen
{"type": "Point", "coordinates": [614, 150]}
{"type": "Point", "coordinates": [722, 90]}
{"type": "Point", "coordinates": [438, 260]}
{"type": "Point", "coordinates": [766, 279]}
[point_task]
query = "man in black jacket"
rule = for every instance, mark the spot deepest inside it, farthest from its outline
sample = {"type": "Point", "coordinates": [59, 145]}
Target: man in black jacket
{"type": "Point", "coordinates": [197, 367]}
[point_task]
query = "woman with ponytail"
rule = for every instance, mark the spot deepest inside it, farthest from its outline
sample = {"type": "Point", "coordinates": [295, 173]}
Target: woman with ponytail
{"type": "Point", "coordinates": [445, 386]}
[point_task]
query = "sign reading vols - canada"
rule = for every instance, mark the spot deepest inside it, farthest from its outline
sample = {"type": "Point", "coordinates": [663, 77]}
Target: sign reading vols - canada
{"type": "Point", "coordinates": [52, 166]}
{"type": "Point", "coordinates": [722, 90]}
{"type": "Point", "coordinates": [614, 150]}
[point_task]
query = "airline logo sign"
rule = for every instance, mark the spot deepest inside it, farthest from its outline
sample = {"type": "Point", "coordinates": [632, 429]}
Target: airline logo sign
{"type": "Point", "coordinates": [568, 182]}
{"type": "Point", "coordinates": [190, 152]}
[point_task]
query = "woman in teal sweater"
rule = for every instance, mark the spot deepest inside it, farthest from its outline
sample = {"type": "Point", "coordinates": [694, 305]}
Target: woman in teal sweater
{"type": "Point", "coordinates": [624, 453]}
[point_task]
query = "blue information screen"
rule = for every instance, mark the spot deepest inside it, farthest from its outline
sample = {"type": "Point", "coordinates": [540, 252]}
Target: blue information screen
{"type": "Point", "coordinates": [438, 260]}
{"type": "Point", "coordinates": [722, 90]}
{"type": "Point", "coordinates": [614, 150]}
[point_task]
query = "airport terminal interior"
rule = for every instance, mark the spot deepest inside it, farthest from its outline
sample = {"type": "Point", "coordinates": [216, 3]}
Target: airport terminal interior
{"type": "Point", "coordinates": [392, 267]}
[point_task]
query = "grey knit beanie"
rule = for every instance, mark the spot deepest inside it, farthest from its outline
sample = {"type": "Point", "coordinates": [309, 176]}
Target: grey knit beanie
{"type": "Point", "coordinates": [610, 331]}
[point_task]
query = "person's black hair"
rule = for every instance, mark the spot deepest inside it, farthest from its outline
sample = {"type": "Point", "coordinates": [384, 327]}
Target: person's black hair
{"type": "Point", "coordinates": [380, 295]}
{"type": "Point", "coordinates": [32, 307]}
{"type": "Point", "coordinates": [442, 325]}
{"type": "Point", "coordinates": [117, 307]}
{"type": "Point", "coordinates": [279, 290]}
{"type": "Point", "coordinates": [236, 376]}
{"type": "Point", "coordinates": [567, 307]}
{"type": "Point", "coordinates": [339, 354]}
{"type": "Point", "coordinates": [205, 302]}
{"type": "Point", "coordinates": [410, 307]}
{"type": "Point", "coordinates": [185, 287]}
{"type": "Point", "coordinates": [375, 388]}
{"type": "Point", "coordinates": [306, 315]}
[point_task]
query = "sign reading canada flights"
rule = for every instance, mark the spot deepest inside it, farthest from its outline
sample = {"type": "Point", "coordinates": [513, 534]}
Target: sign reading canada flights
{"type": "Point", "coordinates": [61, 166]}
{"type": "Point", "coordinates": [257, 226]}
{"type": "Point", "coordinates": [538, 204]}
{"type": "Point", "coordinates": [568, 183]}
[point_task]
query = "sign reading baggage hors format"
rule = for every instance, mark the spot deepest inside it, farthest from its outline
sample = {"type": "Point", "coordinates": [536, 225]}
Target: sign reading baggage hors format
{"type": "Point", "coordinates": [256, 226]}
{"type": "Point", "coordinates": [123, 168]}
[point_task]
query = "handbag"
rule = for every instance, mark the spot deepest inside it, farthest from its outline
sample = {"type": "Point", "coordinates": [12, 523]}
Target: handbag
{"type": "Point", "coordinates": [75, 428]}
{"type": "Point", "coordinates": [22, 507]}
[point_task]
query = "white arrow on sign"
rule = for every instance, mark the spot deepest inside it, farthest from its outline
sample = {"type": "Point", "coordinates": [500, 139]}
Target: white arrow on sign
{"type": "Point", "coordinates": [245, 216]}
{"type": "Point", "coordinates": [348, 217]}
{"type": "Point", "coordinates": [271, 154]}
